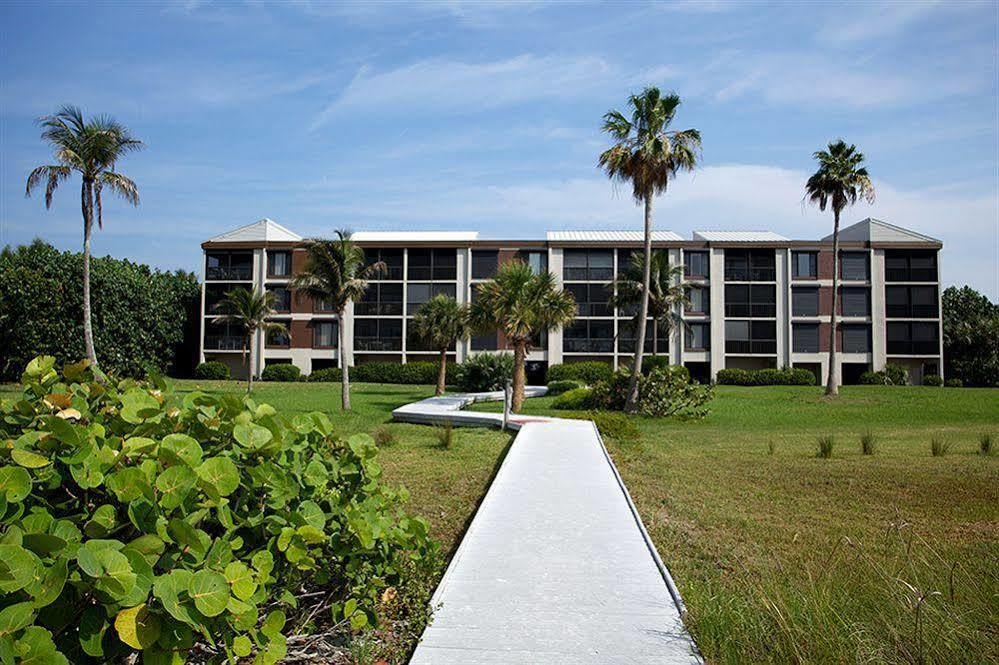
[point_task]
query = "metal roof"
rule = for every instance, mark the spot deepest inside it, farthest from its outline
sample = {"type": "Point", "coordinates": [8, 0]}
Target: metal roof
{"type": "Point", "coordinates": [266, 230]}
{"type": "Point", "coordinates": [415, 236]}
{"type": "Point", "coordinates": [878, 230]}
{"type": "Point", "coordinates": [739, 236]}
{"type": "Point", "coordinates": [610, 236]}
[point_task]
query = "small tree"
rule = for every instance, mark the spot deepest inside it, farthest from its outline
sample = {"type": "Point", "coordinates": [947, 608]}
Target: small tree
{"type": "Point", "coordinates": [841, 180]}
{"type": "Point", "coordinates": [336, 274]}
{"type": "Point", "coordinates": [250, 311]}
{"type": "Point", "coordinates": [441, 322]}
{"type": "Point", "coordinates": [667, 292]}
{"type": "Point", "coordinates": [521, 305]}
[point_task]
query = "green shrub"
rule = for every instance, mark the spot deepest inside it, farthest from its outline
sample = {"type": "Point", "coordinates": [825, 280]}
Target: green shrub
{"type": "Point", "coordinates": [137, 519]}
{"type": "Point", "coordinates": [559, 387]}
{"type": "Point", "coordinates": [787, 376]}
{"type": "Point", "coordinates": [870, 378]}
{"type": "Point", "coordinates": [413, 373]}
{"type": "Point", "coordinates": [484, 372]}
{"type": "Point", "coordinates": [666, 392]}
{"type": "Point", "coordinates": [896, 375]}
{"type": "Point", "coordinates": [326, 375]}
{"type": "Point", "coordinates": [213, 370]}
{"type": "Point", "coordinates": [932, 380]}
{"type": "Point", "coordinates": [589, 372]}
{"type": "Point", "coordinates": [954, 383]}
{"type": "Point", "coordinates": [825, 447]}
{"type": "Point", "coordinates": [650, 363]}
{"type": "Point", "coordinates": [733, 376]}
{"type": "Point", "coordinates": [281, 372]}
{"type": "Point", "coordinates": [577, 399]}
{"type": "Point", "coordinates": [614, 425]}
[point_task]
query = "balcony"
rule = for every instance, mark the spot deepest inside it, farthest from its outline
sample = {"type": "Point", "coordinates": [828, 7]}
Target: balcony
{"type": "Point", "coordinates": [231, 273]}
{"type": "Point", "coordinates": [378, 344]}
{"type": "Point", "coordinates": [588, 345]}
{"type": "Point", "coordinates": [223, 343]}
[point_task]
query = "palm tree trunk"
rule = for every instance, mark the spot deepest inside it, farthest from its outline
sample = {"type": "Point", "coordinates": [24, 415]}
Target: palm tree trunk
{"type": "Point", "coordinates": [631, 403]}
{"type": "Point", "coordinates": [831, 384]}
{"type": "Point", "coordinates": [442, 372]}
{"type": "Point", "coordinates": [88, 223]}
{"type": "Point", "coordinates": [344, 371]}
{"type": "Point", "coordinates": [655, 338]}
{"type": "Point", "coordinates": [248, 344]}
{"type": "Point", "coordinates": [519, 375]}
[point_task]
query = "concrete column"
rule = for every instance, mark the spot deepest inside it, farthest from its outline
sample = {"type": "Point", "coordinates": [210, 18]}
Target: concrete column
{"type": "Point", "coordinates": [555, 337]}
{"type": "Point", "coordinates": [463, 295]}
{"type": "Point", "coordinates": [879, 328]}
{"type": "Point", "coordinates": [717, 284]}
{"type": "Point", "coordinates": [782, 295]}
{"type": "Point", "coordinates": [259, 276]}
{"type": "Point", "coordinates": [940, 365]}
{"type": "Point", "coordinates": [348, 328]}
{"type": "Point", "coordinates": [201, 311]}
{"type": "Point", "coordinates": [676, 337]}
{"type": "Point", "coordinates": [405, 298]}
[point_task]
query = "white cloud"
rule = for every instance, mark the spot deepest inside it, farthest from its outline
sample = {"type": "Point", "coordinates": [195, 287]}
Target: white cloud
{"type": "Point", "coordinates": [875, 20]}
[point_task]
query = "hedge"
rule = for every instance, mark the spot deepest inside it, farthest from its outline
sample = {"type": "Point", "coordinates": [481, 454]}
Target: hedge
{"type": "Point", "coordinates": [933, 380]}
{"type": "Point", "coordinates": [142, 318]}
{"type": "Point", "coordinates": [327, 374]}
{"type": "Point", "coordinates": [577, 399]}
{"type": "Point", "coordinates": [589, 372]}
{"type": "Point", "coordinates": [559, 387]}
{"type": "Point", "coordinates": [788, 376]}
{"type": "Point", "coordinates": [281, 372]}
{"type": "Point", "coordinates": [421, 372]}
{"type": "Point", "coordinates": [213, 370]}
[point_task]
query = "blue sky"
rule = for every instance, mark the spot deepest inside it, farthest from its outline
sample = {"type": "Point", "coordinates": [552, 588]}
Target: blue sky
{"type": "Point", "coordinates": [486, 116]}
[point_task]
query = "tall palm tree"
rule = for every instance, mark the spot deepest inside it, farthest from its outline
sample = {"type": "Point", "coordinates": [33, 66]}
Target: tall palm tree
{"type": "Point", "coordinates": [647, 154]}
{"type": "Point", "coordinates": [667, 292]}
{"type": "Point", "coordinates": [336, 273]}
{"type": "Point", "coordinates": [840, 180]}
{"type": "Point", "coordinates": [250, 310]}
{"type": "Point", "coordinates": [521, 305]}
{"type": "Point", "coordinates": [90, 148]}
{"type": "Point", "coordinates": [441, 322]}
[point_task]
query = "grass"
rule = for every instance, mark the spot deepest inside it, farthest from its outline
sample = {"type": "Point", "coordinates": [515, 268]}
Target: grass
{"type": "Point", "coordinates": [780, 556]}
{"type": "Point", "coordinates": [825, 447]}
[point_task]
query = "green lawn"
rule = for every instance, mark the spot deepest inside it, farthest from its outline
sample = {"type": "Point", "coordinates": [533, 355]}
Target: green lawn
{"type": "Point", "coordinates": [780, 557]}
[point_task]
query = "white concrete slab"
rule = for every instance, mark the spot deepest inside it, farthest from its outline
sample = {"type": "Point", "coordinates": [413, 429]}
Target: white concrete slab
{"type": "Point", "coordinates": [556, 566]}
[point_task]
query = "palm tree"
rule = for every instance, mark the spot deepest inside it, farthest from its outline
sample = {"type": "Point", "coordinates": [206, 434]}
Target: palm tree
{"type": "Point", "coordinates": [250, 311]}
{"type": "Point", "coordinates": [337, 274]}
{"type": "Point", "coordinates": [441, 322]}
{"type": "Point", "coordinates": [647, 155]}
{"type": "Point", "coordinates": [667, 292]}
{"type": "Point", "coordinates": [840, 180]}
{"type": "Point", "coordinates": [521, 305]}
{"type": "Point", "coordinates": [90, 148]}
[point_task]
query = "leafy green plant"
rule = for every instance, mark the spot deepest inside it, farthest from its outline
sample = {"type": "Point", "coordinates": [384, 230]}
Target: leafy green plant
{"type": "Point", "coordinates": [868, 444]}
{"type": "Point", "coordinates": [556, 388]}
{"type": "Point", "coordinates": [411, 373]}
{"type": "Point", "coordinates": [787, 376]}
{"type": "Point", "coordinates": [163, 524]}
{"type": "Point", "coordinates": [933, 380]}
{"type": "Point", "coordinates": [666, 391]}
{"type": "Point", "coordinates": [954, 383]}
{"type": "Point", "coordinates": [383, 436]}
{"type": "Point", "coordinates": [825, 447]}
{"type": "Point", "coordinates": [213, 370]}
{"type": "Point", "coordinates": [327, 375]}
{"type": "Point", "coordinates": [281, 372]}
{"type": "Point", "coordinates": [577, 399]}
{"type": "Point", "coordinates": [484, 372]}
{"type": "Point", "coordinates": [939, 447]}
{"type": "Point", "coordinates": [589, 372]}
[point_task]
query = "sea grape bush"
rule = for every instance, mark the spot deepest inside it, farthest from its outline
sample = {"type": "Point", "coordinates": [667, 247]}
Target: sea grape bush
{"type": "Point", "coordinates": [134, 520]}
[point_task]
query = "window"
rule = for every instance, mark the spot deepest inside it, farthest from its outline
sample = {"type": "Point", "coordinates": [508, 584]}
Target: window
{"type": "Point", "coordinates": [392, 258]}
{"type": "Point", "coordinates": [223, 336]}
{"type": "Point", "coordinates": [751, 337]}
{"type": "Point", "coordinates": [416, 343]}
{"type": "Point", "coordinates": [537, 260]}
{"type": "Point", "coordinates": [910, 265]}
{"type": "Point", "coordinates": [229, 266]}
{"type": "Point", "coordinates": [856, 338]}
{"type": "Point", "coordinates": [323, 305]}
{"type": "Point", "coordinates": [324, 334]}
{"type": "Point", "coordinates": [215, 294]}
{"type": "Point", "coordinates": [700, 302]}
{"type": "Point", "coordinates": [278, 264]}
{"type": "Point", "coordinates": [591, 299]}
{"type": "Point", "coordinates": [278, 338]}
{"type": "Point", "coordinates": [282, 298]}
{"type": "Point", "coordinates": [380, 299]}
{"type": "Point", "coordinates": [854, 266]}
{"type": "Point", "coordinates": [855, 301]}
{"type": "Point", "coordinates": [433, 264]}
{"type": "Point", "coordinates": [805, 337]}
{"type": "Point", "coordinates": [626, 338]}
{"type": "Point", "coordinates": [919, 302]}
{"type": "Point", "coordinates": [805, 265]}
{"type": "Point", "coordinates": [589, 336]}
{"type": "Point", "coordinates": [696, 264]}
{"type": "Point", "coordinates": [485, 342]}
{"type": "Point", "coordinates": [378, 335]}
{"type": "Point", "coordinates": [743, 265]}
{"type": "Point", "coordinates": [484, 263]}
{"type": "Point", "coordinates": [417, 294]}
{"type": "Point", "coordinates": [913, 338]}
{"type": "Point", "coordinates": [751, 300]}
{"type": "Point", "coordinates": [698, 337]}
{"type": "Point", "coordinates": [804, 301]}
{"type": "Point", "coordinates": [588, 264]}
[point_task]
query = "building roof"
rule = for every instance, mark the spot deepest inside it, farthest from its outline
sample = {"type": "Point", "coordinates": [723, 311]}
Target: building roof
{"type": "Point", "coordinates": [266, 230]}
{"type": "Point", "coordinates": [415, 236]}
{"type": "Point", "coordinates": [739, 236]}
{"type": "Point", "coordinates": [610, 236]}
{"type": "Point", "coordinates": [876, 230]}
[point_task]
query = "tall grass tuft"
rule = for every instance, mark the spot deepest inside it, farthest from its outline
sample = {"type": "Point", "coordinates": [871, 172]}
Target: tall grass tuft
{"type": "Point", "coordinates": [985, 444]}
{"type": "Point", "coordinates": [383, 436]}
{"type": "Point", "coordinates": [445, 435]}
{"type": "Point", "coordinates": [771, 447]}
{"type": "Point", "coordinates": [868, 444]}
{"type": "Point", "coordinates": [825, 450]}
{"type": "Point", "coordinates": [939, 447]}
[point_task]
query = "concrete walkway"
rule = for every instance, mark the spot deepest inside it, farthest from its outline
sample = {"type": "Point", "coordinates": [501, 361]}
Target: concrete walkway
{"type": "Point", "coordinates": [556, 566]}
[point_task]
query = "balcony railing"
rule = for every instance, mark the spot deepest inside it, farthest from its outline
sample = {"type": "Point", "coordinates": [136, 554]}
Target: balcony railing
{"type": "Point", "coordinates": [377, 308]}
{"type": "Point", "coordinates": [241, 273]}
{"type": "Point", "coordinates": [224, 342]}
{"type": "Point", "coordinates": [378, 344]}
{"type": "Point", "coordinates": [916, 348]}
{"type": "Point", "coordinates": [751, 346]}
{"type": "Point", "coordinates": [602, 345]}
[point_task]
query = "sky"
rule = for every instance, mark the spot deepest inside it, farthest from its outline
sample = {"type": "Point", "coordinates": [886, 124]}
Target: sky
{"type": "Point", "coordinates": [486, 116]}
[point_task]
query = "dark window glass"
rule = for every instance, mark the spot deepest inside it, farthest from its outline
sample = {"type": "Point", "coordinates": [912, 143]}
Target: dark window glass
{"type": "Point", "coordinates": [487, 342]}
{"type": "Point", "coordinates": [854, 266]}
{"type": "Point", "coordinates": [856, 338]}
{"type": "Point", "coordinates": [910, 265]}
{"type": "Point", "coordinates": [750, 337]}
{"type": "Point", "coordinates": [278, 264]}
{"type": "Point", "coordinates": [279, 338]}
{"type": "Point", "coordinates": [804, 301]}
{"type": "Point", "coordinates": [919, 302]}
{"type": "Point", "coordinates": [378, 334]}
{"type": "Point", "coordinates": [229, 266]}
{"type": "Point", "coordinates": [626, 338]}
{"type": "Point", "coordinates": [417, 294]}
{"type": "Point", "coordinates": [392, 258]}
{"type": "Point", "coordinates": [591, 299]}
{"type": "Point", "coordinates": [445, 264]}
{"type": "Point", "coordinates": [589, 336]}
{"type": "Point", "coordinates": [855, 301]}
{"type": "Point", "coordinates": [700, 301]}
{"type": "Point", "coordinates": [380, 299]}
{"type": "Point", "coordinates": [915, 338]}
{"type": "Point", "coordinates": [484, 263]}
{"type": "Point", "coordinates": [588, 264]}
{"type": "Point", "coordinates": [537, 260]}
{"type": "Point", "coordinates": [282, 298]}
{"type": "Point", "coordinates": [743, 265]}
{"type": "Point", "coordinates": [736, 265]}
{"type": "Point", "coordinates": [751, 300]}
{"type": "Point", "coordinates": [324, 334]}
{"type": "Point", "coordinates": [223, 336]}
{"type": "Point", "coordinates": [805, 265]}
{"type": "Point", "coordinates": [696, 264]}
{"type": "Point", "coordinates": [805, 337]}
{"type": "Point", "coordinates": [215, 294]}
{"type": "Point", "coordinates": [698, 337]}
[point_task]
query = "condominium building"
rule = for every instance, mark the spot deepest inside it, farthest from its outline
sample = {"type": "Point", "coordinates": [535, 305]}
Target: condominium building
{"type": "Point", "coordinates": [757, 299]}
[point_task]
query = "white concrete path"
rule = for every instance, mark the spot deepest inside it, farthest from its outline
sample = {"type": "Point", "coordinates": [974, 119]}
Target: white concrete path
{"type": "Point", "coordinates": [556, 566]}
